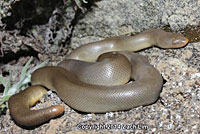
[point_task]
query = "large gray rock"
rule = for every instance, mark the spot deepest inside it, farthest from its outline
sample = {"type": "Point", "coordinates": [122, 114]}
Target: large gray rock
{"type": "Point", "coordinates": [111, 18]}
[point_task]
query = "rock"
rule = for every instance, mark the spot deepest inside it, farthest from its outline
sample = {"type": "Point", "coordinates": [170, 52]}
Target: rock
{"type": "Point", "coordinates": [113, 18]}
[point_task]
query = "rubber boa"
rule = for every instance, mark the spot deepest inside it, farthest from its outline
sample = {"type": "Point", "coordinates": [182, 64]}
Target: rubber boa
{"type": "Point", "coordinates": [148, 38]}
{"type": "Point", "coordinates": [89, 97]}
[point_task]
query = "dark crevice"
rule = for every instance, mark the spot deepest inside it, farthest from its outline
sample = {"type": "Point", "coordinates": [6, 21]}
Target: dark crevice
{"type": "Point", "coordinates": [79, 15]}
{"type": "Point", "coordinates": [5, 73]}
{"type": "Point", "coordinates": [26, 13]}
{"type": "Point", "coordinates": [10, 55]}
{"type": "Point", "coordinates": [1, 88]}
{"type": "Point", "coordinates": [73, 23]}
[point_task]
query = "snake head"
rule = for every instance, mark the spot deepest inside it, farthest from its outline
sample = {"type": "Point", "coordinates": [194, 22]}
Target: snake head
{"type": "Point", "coordinates": [171, 40]}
